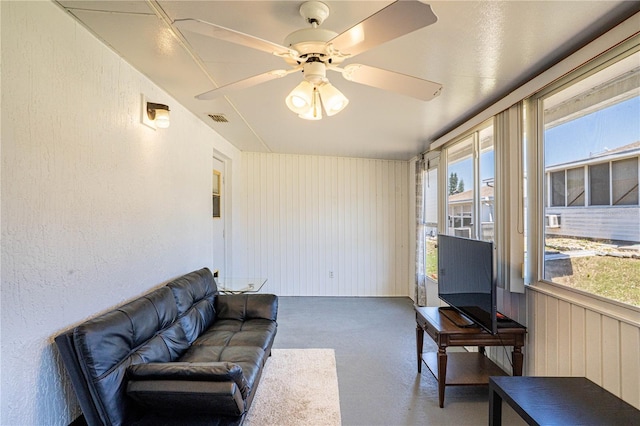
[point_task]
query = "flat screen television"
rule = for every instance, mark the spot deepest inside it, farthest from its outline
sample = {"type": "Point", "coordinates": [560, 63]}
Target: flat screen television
{"type": "Point", "coordinates": [466, 280]}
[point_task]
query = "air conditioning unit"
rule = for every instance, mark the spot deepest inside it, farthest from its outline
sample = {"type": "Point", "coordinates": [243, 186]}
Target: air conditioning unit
{"type": "Point", "coordinates": [553, 221]}
{"type": "Point", "coordinates": [462, 232]}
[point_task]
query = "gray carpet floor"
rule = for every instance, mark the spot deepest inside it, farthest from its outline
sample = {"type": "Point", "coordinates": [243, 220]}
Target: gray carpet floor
{"type": "Point", "coordinates": [374, 340]}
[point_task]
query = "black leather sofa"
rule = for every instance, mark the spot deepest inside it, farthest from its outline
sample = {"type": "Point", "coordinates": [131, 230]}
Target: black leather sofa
{"type": "Point", "coordinates": [182, 354]}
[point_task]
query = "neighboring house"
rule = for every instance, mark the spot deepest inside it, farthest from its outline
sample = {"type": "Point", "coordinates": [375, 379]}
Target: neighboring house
{"type": "Point", "coordinates": [610, 213]}
{"type": "Point", "coordinates": [460, 212]}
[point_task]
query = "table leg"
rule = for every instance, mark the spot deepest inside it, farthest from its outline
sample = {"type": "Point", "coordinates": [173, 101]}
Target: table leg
{"type": "Point", "coordinates": [495, 407]}
{"type": "Point", "coordinates": [419, 343]}
{"type": "Point", "coordinates": [518, 358]}
{"type": "Point", "coordinates": [442, 374]}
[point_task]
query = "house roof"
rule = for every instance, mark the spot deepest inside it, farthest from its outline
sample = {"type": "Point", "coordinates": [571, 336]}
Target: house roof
{"type": "Point", "coordinates": [486, 193]}
{"type": "Point", "coordinates": [624, 151]}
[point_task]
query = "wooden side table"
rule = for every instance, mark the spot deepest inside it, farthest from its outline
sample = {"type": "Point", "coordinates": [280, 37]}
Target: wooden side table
{"type": "Point", "coordinates": [462, 368]}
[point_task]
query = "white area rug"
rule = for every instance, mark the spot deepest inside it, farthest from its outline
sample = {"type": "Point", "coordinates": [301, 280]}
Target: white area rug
{"type": "Point", "coordinates": [298, 387]}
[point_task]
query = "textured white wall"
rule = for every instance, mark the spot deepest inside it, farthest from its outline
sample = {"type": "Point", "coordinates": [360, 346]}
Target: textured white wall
{"type": "Point", "coordinates": [308, 216]}
{"type": "Point", "coordinates": [96, 208]}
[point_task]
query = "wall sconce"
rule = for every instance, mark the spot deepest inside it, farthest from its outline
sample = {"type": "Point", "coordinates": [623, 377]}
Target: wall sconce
{"type": "Point", "coordinates": [154, 115]}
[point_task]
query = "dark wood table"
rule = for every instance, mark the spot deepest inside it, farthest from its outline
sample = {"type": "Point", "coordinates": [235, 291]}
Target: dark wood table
{"type": "Point", "coordinates": [558, 401]}
{"type": "Point", "coordinates": [462, 368]}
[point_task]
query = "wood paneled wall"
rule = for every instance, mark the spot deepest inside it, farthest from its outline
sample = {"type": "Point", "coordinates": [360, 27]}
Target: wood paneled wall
{"type": "Point", "coordinates": [327, 226]}
{"type": "Point", "coordinates": [574, 339]}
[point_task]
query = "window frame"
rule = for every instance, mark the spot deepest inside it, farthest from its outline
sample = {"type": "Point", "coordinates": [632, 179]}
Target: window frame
{"type": "Point", "coordinates": [538, 180]}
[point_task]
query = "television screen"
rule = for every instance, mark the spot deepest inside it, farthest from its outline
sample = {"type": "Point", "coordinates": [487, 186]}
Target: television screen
{"type": "Point", "coordinates": [465, 279]}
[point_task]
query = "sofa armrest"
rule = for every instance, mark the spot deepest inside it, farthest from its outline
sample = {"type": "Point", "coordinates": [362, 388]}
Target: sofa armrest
{"type": "Point", "coordinates": [247, 306]}
{"type": "Point", "coordinates": [69, 357]}
{"type": "Point", "coordinates": [190, 371]}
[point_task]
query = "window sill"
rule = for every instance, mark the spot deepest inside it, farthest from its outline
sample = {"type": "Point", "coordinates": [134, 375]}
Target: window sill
{"type": "Point", "coordinates": [620, 311]}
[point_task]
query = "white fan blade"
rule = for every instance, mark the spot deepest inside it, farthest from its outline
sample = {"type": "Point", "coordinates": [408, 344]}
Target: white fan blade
{"type": "Point", "coordinates": [222, 33]}
{"type": "Point", "coordinates": [243, 84]}
{"type": "Point", "coordinates": [395, 20]}
{"type": "Point", "coordinates": [395, 82]}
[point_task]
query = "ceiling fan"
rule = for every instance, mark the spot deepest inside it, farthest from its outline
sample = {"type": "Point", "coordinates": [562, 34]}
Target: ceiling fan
{"type": "Point", "coordinates": [315, 50]}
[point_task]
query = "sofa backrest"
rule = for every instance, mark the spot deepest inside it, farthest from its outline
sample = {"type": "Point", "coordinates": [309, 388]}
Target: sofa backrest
{"type": "Point", "coordinates": [195, 298]}
{"type": "Point", "coordinates": [157, 327]}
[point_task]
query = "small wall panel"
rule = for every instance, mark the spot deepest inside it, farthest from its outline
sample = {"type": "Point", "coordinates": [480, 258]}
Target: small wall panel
{"type": "Point", "coordinates": [630, 364]}
{"type": "Point", "coordinates": [564, 339]}
{"type": "Point", "coordinates": [570, 339]}
{"type": "Point", "coordinates": [611, 355]}
{"type": "Point", "coordinates": [594, 350]}
{"type": "Point", "coordinates": [552, 321]}
{"type": "Point", "coordinates": [540, 367]}
{"type": "Point", "coordinates": [578, 339]}
{"type": "Point", "coordinates": [327, 226]}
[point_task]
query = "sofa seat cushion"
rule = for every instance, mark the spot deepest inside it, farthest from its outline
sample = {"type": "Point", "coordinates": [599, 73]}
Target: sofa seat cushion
{"type": "Point", "coordinates": [230, 332]}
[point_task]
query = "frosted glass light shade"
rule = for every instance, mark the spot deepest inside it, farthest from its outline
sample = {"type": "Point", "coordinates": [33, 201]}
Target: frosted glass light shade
{"type": "Point", "coordinates": [332, 99]}
{"type": "Point", "coordinates": [162, 118]}
{"type": "Point", "coordinates": [300, 98]}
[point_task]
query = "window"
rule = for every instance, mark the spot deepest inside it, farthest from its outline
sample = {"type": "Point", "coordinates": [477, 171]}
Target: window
{"type": "Point", "coordinates": [575, 187]}
{"type": "Point", "coordinates": [460, 189]}
{"type": "Point", "coordinates": [591, 147]}
{"type": "Point", "coordinates": [557, 189]}
{"type": "Point", "coordinates": [471, 185]}
{"type": "Point", "coordinates": [215, 194]}
{"type": "Point", "coordinates": [599, 184]}
{"type": "Point", "coordinates": [624, 182]}
{"type": "Point", "coordinates": [487, 184]}
{"type": "Point", "coordinates": [430, 183]}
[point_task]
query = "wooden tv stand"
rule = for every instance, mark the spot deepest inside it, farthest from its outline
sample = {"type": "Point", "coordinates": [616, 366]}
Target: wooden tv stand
{"type": "Point", "coordinates": [463, 368]}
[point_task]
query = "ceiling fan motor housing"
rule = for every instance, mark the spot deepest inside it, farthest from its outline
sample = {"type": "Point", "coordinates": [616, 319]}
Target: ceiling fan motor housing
{"type": "Point", "coordinates": [312, 42]}
{"type": "Point", "coordinates": [309, 41]}
{"type": "Point", "coordinates": [314, 12]}
{"type": "Point", "coordinates": [315, 72]}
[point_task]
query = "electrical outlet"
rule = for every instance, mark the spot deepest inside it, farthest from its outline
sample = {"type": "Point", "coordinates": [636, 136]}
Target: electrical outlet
{"type": "Point", "coordinates": [330, 274]}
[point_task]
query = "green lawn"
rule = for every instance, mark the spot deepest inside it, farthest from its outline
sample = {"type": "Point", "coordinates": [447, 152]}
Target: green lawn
{"type": "Point", "coordinates": [432, 259]}
{"type": "Point", "coordinates": [608, 276]}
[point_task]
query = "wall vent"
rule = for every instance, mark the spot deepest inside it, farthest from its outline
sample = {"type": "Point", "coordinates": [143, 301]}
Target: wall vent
{"type": "Point", "coordinates": [218, 118]}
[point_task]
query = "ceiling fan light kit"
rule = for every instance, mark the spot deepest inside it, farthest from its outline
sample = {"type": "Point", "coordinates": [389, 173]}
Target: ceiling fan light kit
{"type": "Point", "coordinates": [314, 50]}
{"type": "Point", "coordinates": [315, 93]}
{"type": "Point", "coordinates": [308, 100]}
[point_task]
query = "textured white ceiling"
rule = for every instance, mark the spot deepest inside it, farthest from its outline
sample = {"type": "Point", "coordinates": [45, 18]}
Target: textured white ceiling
{"type": "Point", "coordinates": [479, 51]}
